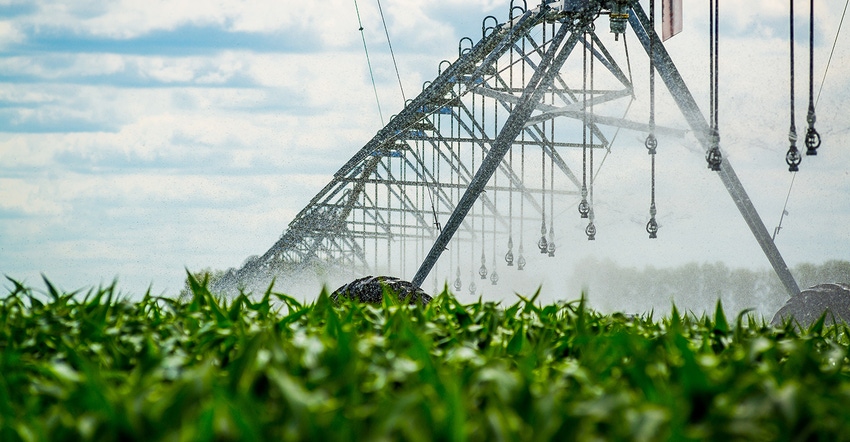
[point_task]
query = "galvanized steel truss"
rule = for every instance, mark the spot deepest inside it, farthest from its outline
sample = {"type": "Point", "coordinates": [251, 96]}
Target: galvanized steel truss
{"type": "Point", "coordinates": [411, 192]}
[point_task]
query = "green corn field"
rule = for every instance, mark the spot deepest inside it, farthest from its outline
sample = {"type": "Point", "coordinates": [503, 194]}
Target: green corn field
{"type": "Point", "coordinates": [91, 366]}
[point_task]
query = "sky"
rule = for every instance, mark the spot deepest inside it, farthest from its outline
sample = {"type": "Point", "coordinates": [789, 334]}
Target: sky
{"type": "Point", "coordinates": [142, 138]}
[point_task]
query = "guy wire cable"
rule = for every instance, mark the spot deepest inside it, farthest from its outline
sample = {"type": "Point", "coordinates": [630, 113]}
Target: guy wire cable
{"type": "Point", "coordinates": [368, 62]}
{"type": "Point", "coordinates": [392, 54]}
{"type": "Point", "coordinates": [834, 43]}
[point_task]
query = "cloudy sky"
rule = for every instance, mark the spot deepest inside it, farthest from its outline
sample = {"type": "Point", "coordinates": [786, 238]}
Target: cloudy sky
{"type": "Point", "coordinates": [139, 138]}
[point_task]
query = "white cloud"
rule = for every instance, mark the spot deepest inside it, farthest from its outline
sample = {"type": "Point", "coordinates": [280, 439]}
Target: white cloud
{"type": "Point", "coordinates": [61, 66]}
{"type": "Point", "coordinates": [9, 34]}
{"type": "Point", "coordinates": [133, 18]}
{"type": "Point", "coordinates": [27, 198]}
{"type": "Point", "coordinates": [203, 159]}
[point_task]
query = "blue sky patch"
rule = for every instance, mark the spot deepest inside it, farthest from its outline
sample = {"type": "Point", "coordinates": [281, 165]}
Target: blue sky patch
{"type": "Point", "coordinates": [185, 40]}
{"type": "Point", "coordinates": [11, 122]}
{"type": "Point", "coordinates": [17, 9]}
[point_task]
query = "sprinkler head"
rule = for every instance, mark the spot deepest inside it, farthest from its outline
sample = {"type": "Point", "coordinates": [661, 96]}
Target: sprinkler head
{"type": "Point", "coordinates": [542, 244]}
{"type": "Point", "coordinates": [652, 228]}
{"type": "Point", "coordinates": [793, 158]}
{"type": "Point", "coordinates": [812, 141]}
{"type": "Point", "coordinates": [651, 144]}
{"type": "Point", "coordinates": [583, 208]}
{"type": "Point", "coordinates": [590, 230]}
{"type": "Point", "coordinates": [713, 157]}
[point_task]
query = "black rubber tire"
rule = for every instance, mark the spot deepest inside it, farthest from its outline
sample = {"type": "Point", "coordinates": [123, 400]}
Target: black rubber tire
{"type": "Point", "coordinates": [371, 290]}
{"type": "Point", "coordinates": [808, 306]}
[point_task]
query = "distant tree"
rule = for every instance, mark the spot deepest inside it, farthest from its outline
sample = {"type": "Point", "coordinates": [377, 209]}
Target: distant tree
{"type": "Point", "coordinates": [831, 271]}
{"type": "Point", "coordinates": [695, 287]}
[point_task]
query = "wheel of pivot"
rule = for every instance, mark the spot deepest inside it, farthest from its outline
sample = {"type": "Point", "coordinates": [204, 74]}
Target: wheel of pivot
{"type": "Point", "coordinates": [371, 290]}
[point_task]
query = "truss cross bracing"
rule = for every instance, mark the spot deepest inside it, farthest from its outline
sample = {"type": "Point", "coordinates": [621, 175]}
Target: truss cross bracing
{"type": "Point", "coordinates": [462, 182]}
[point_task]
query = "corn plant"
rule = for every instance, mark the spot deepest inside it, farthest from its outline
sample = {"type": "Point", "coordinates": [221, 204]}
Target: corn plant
{"type": "Point", "coordinates": [94, 366]}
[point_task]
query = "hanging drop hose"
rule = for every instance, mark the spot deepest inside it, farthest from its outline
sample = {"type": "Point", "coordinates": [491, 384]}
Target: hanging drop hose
{"type": "Point", "coordinates": [711, 80]}
{"type": "Point", "coordinates": [817, 100]}
{"type": "Point", "coordinates": [551, 246]}
{"type": "Point", "coordinates": [509, 256]}
{"type": "Point", "coordinates": [812, 135]}
{"type": "Point", "coordinates": [542, 244]}
{"type": "Point", "coordinates": [520, 264]}
{"type": "Point", "coordinates": [590, 230]}
{"type": "Point", "coordinates": [521, 259]}
{"type": "Point", "coordinates": [629, 65]}
{"type": "Point", "coordinates": [584, 207]}
{"type": "Point", "coordinates": [494, 277]}
{"type": "Point", "coordinates": [717, 67]}
{"type": "Point", "coordinates": [472, 232]}
{"type": "Point", "coordinates": [483, 270]}
{"type": "Point", "coordinates": [455, 116]}
{"type": "Point", "coordinates": [792, 157]}
{"type": "Point", "coordinates": [651, 142]}
{"type": "Point", "coordinates": [713, 156]}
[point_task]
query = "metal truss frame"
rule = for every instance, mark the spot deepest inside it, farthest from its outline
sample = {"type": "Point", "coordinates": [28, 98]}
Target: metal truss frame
{"type": "Point", "coordinates": [394, 191]}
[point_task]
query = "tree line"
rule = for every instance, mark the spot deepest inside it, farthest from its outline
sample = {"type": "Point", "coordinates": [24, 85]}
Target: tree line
{"type": "Point", "coordinates": [695, 287]}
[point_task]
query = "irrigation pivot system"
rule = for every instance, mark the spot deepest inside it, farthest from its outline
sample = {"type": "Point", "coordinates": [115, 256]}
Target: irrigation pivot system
{"type": "Point", "coordinates": [461, 184]}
